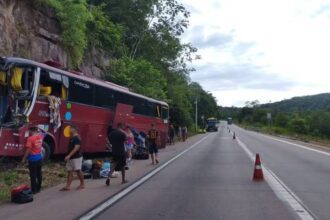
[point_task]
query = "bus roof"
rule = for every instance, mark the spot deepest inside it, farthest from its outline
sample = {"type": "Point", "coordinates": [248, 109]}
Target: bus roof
{"type": "Point", "coordinates": [84, 78]}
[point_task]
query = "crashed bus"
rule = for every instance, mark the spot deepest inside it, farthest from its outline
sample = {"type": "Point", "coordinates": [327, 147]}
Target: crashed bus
{"type": "Point", "coordinates": [44, 95]}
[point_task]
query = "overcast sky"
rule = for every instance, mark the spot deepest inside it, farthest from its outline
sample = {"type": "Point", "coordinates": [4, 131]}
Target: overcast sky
{"type": "Point", "coordinates": [260, 49]}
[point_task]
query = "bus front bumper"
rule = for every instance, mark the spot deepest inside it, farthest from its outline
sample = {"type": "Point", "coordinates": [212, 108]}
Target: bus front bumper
{"type": "Point", "coordinates": [10, 143]}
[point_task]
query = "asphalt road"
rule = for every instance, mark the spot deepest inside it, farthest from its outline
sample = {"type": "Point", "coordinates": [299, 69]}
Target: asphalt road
{"type": "Point", "coordinates": [305, 172]}
{"type": "Point", "coordinates": [211, 181]}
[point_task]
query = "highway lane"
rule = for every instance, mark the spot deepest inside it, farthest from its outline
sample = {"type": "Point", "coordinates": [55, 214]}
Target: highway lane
{"type": "Point", "coordinates": [305, 172]}
{"type": "Point", "coordinates": [211, 181]}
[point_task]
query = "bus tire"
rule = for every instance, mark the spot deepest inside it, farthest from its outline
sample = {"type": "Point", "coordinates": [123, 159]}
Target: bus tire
{"type": "Point", "coordinates": [46, 151]}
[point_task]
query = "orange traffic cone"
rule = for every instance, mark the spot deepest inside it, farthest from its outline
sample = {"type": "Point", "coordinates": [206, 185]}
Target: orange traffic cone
{"type": "Point", "coordinates": [258, 175]}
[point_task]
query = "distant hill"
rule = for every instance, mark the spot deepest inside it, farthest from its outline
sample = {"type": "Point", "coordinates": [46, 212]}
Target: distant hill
{"type": "Point", "coordinates": [303, 103]}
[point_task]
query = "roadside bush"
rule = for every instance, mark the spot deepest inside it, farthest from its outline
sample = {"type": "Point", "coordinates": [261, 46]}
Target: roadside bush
{"type": "Point", "coordinates": [298, 125]}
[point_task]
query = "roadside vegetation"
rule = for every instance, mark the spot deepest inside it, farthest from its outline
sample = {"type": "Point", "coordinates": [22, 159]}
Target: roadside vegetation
{"type": "Point", "coordinates": [305, 118]}
{"type": "Point", "coordinates": [12, 175]}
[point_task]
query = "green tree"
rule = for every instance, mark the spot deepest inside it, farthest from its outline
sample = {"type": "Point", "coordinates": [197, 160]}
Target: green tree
{"type": "Point", "coordinates": [103, 33]}
{"type": "Point", "coordinates": [298, 125]}
{"type": "Point", "coordinates": [139, 75]}
{"type": "Point", "coordinates": [73, 16]}
{"type": "Point", "coordinates": [281, 119]}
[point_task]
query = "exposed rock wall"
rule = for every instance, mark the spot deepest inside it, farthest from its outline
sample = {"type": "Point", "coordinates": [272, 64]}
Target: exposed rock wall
{"type": "Point", "coordinates": [35, 33]}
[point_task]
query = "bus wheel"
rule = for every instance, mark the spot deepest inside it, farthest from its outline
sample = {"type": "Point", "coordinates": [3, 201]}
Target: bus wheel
{"type": "Point", "coordinates": [46, 151]}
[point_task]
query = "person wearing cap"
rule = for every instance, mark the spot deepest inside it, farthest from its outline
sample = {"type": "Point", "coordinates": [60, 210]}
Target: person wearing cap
{"type": "Point", "coordinates": [33, 149]}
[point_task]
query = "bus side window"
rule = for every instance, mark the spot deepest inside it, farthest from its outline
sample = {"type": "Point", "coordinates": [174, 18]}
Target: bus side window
{"type": "Point", "coordinates": [52, 84]}
{"type": "Point", "coordinates": [104, 97]}
{"type": "Point", "coordinates": [158, 111]}
{"type": "Point", "coordinates": [81, 91]}
{"type": "Point", "coordinates": [165, 112]}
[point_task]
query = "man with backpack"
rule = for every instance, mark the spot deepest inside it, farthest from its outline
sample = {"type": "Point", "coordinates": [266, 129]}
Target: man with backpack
{"type": "Point", "coordinates": [152, 141]}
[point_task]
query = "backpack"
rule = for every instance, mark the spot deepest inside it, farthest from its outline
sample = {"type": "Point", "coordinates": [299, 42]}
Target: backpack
{"type": "Point", "coordinates": [21, 194]}
{"type": "Point", "coordinates": [153, 134]}
{"type": "Point", "coordinates": [141, 153]}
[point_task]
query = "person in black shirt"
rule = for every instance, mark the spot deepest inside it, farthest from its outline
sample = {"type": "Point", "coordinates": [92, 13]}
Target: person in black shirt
{"type": "Point", "coordinates": [74, 159]}
{"type": "Point", "coordinates": [117, 139]}
{"type": "Point", "coordinates": [171, 134]}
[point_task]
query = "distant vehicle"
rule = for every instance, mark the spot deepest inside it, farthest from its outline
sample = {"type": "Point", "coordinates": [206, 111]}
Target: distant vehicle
{"type": "Point", "coordinates": [229, 120]}
{"type": "Point", "coordinates": [28, 87]}
{"type": "Point", "coordinates": [211, 124]}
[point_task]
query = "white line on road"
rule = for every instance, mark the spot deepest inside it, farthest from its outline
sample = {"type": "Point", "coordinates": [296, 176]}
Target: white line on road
{"type": "Point", "coordinates": [297, 145]}
{"type": "Point", "coordinates": [282, 191]}
{"type": "Point", "coordinates": [93, 213]}
{"type": "Point", "coordinates": [293, 144]}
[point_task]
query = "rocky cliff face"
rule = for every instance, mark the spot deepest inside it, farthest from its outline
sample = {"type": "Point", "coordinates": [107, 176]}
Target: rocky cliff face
{"type": "Point", "coordinates": [34, 33]}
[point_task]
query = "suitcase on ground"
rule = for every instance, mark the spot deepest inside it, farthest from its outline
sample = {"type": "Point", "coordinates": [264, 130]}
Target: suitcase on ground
{"type": "Point", "coordinates": [21, 194]}
{"type": "Point", "coordinates": [141, 154]}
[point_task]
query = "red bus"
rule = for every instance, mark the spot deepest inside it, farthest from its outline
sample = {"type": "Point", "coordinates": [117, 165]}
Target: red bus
{"type": "Point", "coordinates": [36, 94]}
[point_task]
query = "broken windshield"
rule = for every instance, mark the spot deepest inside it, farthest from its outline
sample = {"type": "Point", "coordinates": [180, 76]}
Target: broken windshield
{"type": "Point", "coordinates": [18, 86]}
{"type": "Point", "coordinates": [3, 95]}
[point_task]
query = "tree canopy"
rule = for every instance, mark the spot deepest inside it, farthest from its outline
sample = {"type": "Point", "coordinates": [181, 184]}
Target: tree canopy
{"type": "Point", "coordinates": [143, 39]}
{"type": "Point", "coordinates": [306, 115]}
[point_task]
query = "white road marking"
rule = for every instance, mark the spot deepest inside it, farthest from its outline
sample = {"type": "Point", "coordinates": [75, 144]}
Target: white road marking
{"type": "Point", "coordinates": [297, 145]}
{"type": "Point", "coordinates": [282, 191]}
{"type": "Point", "coordinates": [293, 144]}
{"type": "Point", "coordinates": [94, 212]}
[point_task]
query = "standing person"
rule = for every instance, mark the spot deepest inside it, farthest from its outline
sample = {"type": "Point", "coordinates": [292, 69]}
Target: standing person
{"type": "Point", "coordinates": [184, 133]}
{"type": "Point", "coordinates": [171, 134]}
{"type": "Point", "coordinates": [117, 139]}
{"type": "Point", "coordinates": [129, 144]}
{"type": "Point", "coordinates": [74, 159]}
{"type": "Point", "coordinates": [180, 133]}
{"type": "Point", "coordinates": [152, 140]}
{"type": "Point", "coordinates": [33, 148]}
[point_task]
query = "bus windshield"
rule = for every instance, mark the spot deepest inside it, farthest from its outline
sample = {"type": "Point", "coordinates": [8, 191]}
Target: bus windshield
{"type": "Point", "coordinates": [18, 86]}
{"type": "Point", "coordinates": [3, 96]}
{"type": "Point", "coordinates": [211, 121]}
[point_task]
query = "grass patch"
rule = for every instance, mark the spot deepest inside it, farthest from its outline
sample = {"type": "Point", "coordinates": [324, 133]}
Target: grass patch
{"type": "Point", "coordinates": [53, 173]}
{"type": "Point", "coordinates": [8, 180]}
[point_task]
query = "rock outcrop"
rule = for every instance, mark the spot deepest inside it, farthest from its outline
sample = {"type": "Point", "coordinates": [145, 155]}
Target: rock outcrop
{"type": "Point", "coordinates": [35, 33]}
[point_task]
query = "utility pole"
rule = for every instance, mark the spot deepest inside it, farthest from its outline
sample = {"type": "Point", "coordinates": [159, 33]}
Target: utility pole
{"type": "Point", "coordinates": [196, 118]}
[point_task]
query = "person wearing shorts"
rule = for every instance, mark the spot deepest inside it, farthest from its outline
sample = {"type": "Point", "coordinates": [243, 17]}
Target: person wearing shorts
{"type": "Point", "coordinates": [74, 159]}
{"type": "Point", "coordinates": [117, 139]}
{"type": "Point", "coordinates": [152, 140]}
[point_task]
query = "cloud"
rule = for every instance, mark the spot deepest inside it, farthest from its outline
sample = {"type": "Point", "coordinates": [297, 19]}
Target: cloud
{"type": "Point", "coordinates": [200, 40]}
{"type": "Point", "coordinates": [324, 9]}
{"type": "Point", "coordinates": [216, 77]}
{"type": "Point", "coordinates": [220, 41]}
{"type": "Point", "coordinates": [265, 50]}
{"type": "Point", "coordinates": [242, 47]}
